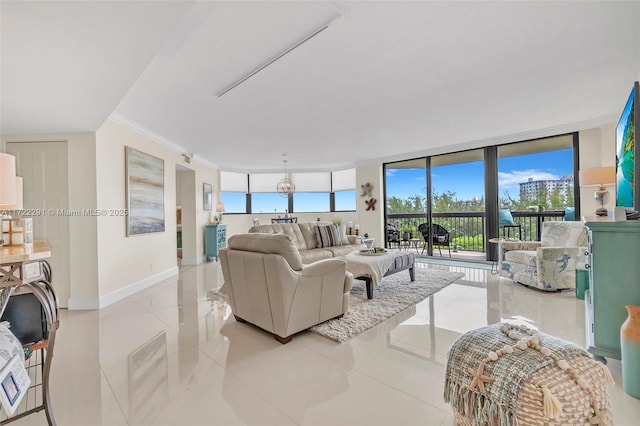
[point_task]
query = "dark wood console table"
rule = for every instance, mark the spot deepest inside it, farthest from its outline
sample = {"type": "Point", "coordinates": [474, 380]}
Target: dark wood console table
{"type": "Point", "coordinates": [26, 268]}
{"type": "Point", "coordinates": [284, 220]}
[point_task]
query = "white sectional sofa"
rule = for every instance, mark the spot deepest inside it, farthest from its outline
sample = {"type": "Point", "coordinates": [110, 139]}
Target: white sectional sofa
{"type": "Point", "coordinates": [304, 238]}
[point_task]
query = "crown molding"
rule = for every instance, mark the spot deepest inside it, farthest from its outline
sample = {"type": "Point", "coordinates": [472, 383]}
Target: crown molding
{"type": "Point", "coordinates": [134, 126]}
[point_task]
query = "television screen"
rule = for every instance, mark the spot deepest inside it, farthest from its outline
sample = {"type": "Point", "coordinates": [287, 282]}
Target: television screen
{"type": "Point", "coordinates": [627, 190]}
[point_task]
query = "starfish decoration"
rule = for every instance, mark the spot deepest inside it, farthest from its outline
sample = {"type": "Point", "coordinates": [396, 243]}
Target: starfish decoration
{"type": "Point", "coordinates": [479, 378]}
{"type": "Point", "coordinates": [371, 204]}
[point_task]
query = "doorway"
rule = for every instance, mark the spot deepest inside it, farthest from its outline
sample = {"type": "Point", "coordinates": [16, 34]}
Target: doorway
{"type": "Point", "coordinates": [186, 216]}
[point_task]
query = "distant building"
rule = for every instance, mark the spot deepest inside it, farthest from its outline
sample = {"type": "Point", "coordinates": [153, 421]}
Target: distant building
{"type": "Point", "coordinates": [531, 189]}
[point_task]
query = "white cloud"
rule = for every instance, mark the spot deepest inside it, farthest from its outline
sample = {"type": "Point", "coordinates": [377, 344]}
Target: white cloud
{"type": "Point", "coordinates": [512, 179]}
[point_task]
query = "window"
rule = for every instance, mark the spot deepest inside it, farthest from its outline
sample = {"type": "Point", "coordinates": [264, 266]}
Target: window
{"type": "Point", "coordinates": [310, 202]}
{"type": "Point", "coordinates": [233, 187]}
{"type": "Point", "coordinates": [457, 185]}
{"type": "Point", "coordinates": [345, 200]}
{"type": "Point", "coordinates": [268, 202]}
{"type": "Point", "coordinates": [406, 183]}
{"type": "Point", "coordinates": [313, 192]}
{"type": "Point", "coordinates": [234, 202]}
{"type": "Point", "coordinates": [536, 175]}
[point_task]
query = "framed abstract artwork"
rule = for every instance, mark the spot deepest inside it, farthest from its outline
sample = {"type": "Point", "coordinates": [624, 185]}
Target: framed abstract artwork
{"type": "Point", "coordinates": [144, 192]}
{"type": "Point", "coordinates": [207, 196]}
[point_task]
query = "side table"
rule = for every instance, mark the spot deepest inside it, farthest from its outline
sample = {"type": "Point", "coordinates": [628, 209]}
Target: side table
{"type": "Point", "coordinates": [26, 266]}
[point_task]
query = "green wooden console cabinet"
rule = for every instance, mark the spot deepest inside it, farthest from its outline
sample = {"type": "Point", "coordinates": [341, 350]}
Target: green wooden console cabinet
{"type": "Point", "coordinates": [614, 281]}
{"type": "Point", "coordinates": [215, 238]}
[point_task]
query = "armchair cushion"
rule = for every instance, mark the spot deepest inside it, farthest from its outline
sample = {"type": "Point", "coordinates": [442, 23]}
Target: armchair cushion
{"type": "Point", "coordinates": [268, 243]}
{"type": "Point", "coordinates": [563, 234]}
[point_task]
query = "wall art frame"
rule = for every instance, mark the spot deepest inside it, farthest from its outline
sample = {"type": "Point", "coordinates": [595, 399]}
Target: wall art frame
{"type": "Point", "coordinates": [207, 196]}
{"type": "Point", "coordinates": [144, 176]}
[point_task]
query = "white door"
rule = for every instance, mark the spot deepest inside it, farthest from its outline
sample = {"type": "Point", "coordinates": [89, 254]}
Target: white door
{"type": "Point", "coordinates": [43, 167]}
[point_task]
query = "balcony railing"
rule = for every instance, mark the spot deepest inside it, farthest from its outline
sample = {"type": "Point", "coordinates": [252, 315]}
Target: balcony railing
{"type": "Point", "coordinates": [467, 229]}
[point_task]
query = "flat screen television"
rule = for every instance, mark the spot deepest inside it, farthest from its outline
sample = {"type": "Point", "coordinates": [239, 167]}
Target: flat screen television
{"type": "Point", "coordinates": [627, 163]}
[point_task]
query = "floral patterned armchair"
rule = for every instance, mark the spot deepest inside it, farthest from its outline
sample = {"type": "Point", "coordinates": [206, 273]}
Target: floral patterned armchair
{"type": "Point", "coordinates": [549, 264]}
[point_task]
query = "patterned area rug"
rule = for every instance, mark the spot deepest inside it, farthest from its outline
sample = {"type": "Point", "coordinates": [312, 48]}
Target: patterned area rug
{"type": "Point", "coordinates": [395, 294]}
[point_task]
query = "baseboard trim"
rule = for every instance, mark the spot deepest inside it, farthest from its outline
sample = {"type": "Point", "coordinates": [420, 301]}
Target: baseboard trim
{"type": "Point", "coordinates": [88, 303]}
{"type": "Point", "coordinates": [190, 262]}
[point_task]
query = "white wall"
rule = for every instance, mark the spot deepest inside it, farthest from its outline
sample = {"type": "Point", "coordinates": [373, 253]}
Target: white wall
{"type": "Point", "coordinates": [371, 221]}
{"type": "Point", "coordinates": [129, 264]}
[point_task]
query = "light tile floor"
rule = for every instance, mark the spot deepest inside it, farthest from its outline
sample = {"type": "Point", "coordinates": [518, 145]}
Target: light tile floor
{"type": "Point", "coordinates": [172, 356]}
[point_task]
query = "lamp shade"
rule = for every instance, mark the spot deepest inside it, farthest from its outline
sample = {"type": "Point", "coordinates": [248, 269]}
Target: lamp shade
{"type": "Point", "coordinates": [600, 176]}
{"type": "Point", "coordinates": [19, 195]}
{"type": "Point", "coordinates": [8, 194]}
{"type": "Point", "coordinates": [220, 207]}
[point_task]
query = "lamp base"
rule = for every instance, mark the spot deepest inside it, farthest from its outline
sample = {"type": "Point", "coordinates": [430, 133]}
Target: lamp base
{"type": "Point", "coordinates": [601, 211]}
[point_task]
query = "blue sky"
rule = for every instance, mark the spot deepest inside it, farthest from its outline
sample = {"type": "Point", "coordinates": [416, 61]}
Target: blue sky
{"type": "Point", "coordinates": [467, 180]}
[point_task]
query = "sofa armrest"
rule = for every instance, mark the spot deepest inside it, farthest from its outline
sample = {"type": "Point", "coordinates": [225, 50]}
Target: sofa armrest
{"type": "Point", "coordinates": [518, 245]}
{"type": "Point", "coordinates": [322, 267]}
{"type": "Point", "coordinates": [355, 239]}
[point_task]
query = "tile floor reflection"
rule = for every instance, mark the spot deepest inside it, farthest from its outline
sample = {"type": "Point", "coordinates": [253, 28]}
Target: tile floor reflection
{"type": "Point", "coordinates": [174, 355]}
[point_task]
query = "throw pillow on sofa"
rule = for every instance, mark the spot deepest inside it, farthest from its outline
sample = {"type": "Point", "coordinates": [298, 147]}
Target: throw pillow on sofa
{"type": "Point", "coordinates": [327, 235]}
{"type": "Point", "coordinates": [343, 235]}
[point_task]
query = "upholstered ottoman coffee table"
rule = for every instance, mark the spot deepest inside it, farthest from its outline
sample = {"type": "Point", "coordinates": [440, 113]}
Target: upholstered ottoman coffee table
{"type": "Point", "coordinates": [505, 374]}
{"type": "Point", "coordinates": [371, 267]}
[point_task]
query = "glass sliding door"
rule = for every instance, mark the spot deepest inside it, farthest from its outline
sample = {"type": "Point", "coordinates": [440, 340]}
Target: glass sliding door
{"type": "Point", "coordinates": [406, 202]}
{"type": "Point", "coordinates": [535, 184]}
{"type": "Point", "coordinates": [458, 205]}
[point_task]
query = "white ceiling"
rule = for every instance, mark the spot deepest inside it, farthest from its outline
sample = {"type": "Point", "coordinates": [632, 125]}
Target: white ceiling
{"type": "Point", "coordinates": [388, 80]}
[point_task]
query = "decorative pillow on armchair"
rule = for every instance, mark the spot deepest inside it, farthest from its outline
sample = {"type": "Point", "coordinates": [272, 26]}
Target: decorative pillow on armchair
{"type": "Point", "coordinates": [328, 235]}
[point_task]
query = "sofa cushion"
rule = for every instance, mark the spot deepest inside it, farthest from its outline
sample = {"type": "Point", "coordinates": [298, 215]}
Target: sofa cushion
{"type": "Point", "coordinates": [307, 229]}
{"type": "Point", "coordinates": [343, 235]}
{"type": "Point", "coordinates": [290, 229]}
{"type": "Point", "coordinates": [313, 255]}
{"type": "Point", "coordinates": [328, 236]}
{"type": "Point", "coordinates": [342, 250]}
{"type": "Point", "coordinates": [268, 243]}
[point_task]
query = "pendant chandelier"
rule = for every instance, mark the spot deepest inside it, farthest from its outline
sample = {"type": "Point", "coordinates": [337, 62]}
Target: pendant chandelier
{"type": "Point", "coordinates": [285, 187]}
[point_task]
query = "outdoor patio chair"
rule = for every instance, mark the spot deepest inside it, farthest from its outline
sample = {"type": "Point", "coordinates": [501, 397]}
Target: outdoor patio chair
{"type": "Point", "coordinates": [506, 222]}
{"type": "Point", "coordinates": [393, 236]}
{"type": "Point", "coordinates": [441, 236]}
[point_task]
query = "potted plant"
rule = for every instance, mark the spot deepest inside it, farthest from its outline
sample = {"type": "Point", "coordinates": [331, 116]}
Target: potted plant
{"type": "Point", "coordinates": [406, 233]}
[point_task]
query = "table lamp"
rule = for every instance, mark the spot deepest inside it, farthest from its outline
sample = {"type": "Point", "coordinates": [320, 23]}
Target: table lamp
{"type": "Point", "coordinates": [599, 177]}
{"type": "Point", "coordinates": [8, 193]}
{"type": "Point", "coordinates": [220, 210]}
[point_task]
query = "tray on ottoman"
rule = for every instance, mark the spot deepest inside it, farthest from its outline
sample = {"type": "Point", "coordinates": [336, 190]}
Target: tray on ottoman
{"type": "Point", "coordinates": [505, 374]}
